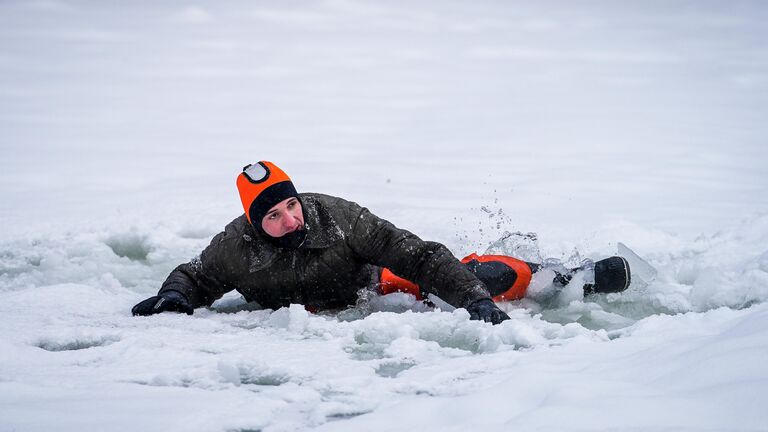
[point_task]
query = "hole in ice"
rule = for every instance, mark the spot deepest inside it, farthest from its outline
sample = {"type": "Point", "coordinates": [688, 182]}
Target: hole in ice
{"type": "Point", "coordinates": [345, 415]}
{"type": "Point", "coordinates": [132, 246]}
{"type": "Point", "coordinates": [76, 344]}
{"type": "Point", "coordinates": [392, 369]}
{"type": "Point", "coordinates": [365, 351]}
{"type": "Point", "coordinates": [252, 373]}
{"type": "Point", "coordinates": [263, 380]}
{"type": "Point", "coordinates": [20, 261]}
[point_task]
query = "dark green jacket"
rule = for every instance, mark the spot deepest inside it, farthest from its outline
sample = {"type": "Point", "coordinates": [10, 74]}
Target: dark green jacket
{"type": "Point", "coordinates": [345, 248]}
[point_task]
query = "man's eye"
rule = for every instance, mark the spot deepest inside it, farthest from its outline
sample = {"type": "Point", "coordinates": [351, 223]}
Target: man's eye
{"type": "Point", "coordinates": [273, 216]}
{"type": "Point", "coordinates": [290, 205]}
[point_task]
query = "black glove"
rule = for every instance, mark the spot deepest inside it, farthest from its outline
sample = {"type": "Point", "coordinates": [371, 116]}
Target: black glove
{"type": "Point", "coordinates": [168, 301]}
{"type": "Point", "coordinates": [486, 310]}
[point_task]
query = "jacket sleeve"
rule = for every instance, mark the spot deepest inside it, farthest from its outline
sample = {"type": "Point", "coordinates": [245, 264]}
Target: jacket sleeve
{"type": "Point", "coordinates": [429, 264]}
{"type": "Point", "coordinates": [209, 276]}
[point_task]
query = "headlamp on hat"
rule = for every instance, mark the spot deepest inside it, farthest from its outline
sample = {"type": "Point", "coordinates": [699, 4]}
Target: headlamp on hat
{"type": "Point", "coordinates": [261, 186]}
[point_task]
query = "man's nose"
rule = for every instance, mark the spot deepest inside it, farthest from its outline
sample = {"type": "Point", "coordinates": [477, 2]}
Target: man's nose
{"type": "Point", "coordinates": [289, 222]}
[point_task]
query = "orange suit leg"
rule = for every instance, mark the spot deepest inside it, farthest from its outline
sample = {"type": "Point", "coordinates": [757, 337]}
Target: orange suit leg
{"type": "Point", "coordinates": [505, 277]}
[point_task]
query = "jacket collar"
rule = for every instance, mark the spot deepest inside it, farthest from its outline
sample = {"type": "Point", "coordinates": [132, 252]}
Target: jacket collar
{"type": "Point", "coordinates": [322, 228]}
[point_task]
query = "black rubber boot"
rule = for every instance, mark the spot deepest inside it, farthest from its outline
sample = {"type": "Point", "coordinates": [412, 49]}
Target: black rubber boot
{"type": "Point", "coordinates": [611, 275]}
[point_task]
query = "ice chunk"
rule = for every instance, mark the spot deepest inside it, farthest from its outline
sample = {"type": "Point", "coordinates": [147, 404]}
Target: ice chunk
{"type": "Point", "coordinates": [542, 287]}
{"type": "Point", "coordinates": [294, 318]}
{"type": "Point", "coordinates": [642, 272]}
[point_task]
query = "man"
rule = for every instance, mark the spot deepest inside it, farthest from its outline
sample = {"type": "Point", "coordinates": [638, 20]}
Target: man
{"type": "Point", "coordinates": [320, 250]}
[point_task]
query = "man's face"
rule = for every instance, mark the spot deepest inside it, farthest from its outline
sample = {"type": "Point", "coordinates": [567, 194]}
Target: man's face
{"type": "Point", "coordinates": [283, 218]}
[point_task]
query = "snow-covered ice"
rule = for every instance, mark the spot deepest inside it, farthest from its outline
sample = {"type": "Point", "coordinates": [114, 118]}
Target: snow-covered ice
{"type": "Point", "coordinates": [597, 126]}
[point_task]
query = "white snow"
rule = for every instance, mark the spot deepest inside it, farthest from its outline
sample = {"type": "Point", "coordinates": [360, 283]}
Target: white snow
{"type": "Point", "coordinates": [124, 126]}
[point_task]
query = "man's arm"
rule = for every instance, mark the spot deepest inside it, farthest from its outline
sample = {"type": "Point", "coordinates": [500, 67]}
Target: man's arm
{"type": "Point", "coordinates": [197, 282]}
{"type": "Point", "coordinates": [204, 279]}
{"type": "Point", "coordinates": [207, 277]}
{"type": "Point", "coordinates": [429, 264]}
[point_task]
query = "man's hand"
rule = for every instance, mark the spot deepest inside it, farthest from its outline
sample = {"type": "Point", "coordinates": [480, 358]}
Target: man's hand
{"type": "Point", "coordinates": [486, 310]}
{"type": "Point", "coordinates": [168, 301]}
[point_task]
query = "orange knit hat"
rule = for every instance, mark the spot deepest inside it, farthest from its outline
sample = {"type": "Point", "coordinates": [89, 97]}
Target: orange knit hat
{"type": "Point", "coordinates": [261, 186]}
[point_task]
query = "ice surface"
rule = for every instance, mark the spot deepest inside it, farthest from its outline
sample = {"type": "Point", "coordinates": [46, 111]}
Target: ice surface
{"type": "Point", "coordinates": [595, 126]}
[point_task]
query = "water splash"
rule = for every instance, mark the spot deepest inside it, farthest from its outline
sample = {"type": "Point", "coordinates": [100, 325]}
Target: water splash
{"type": "Point", "coordinates": [524, 246]}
